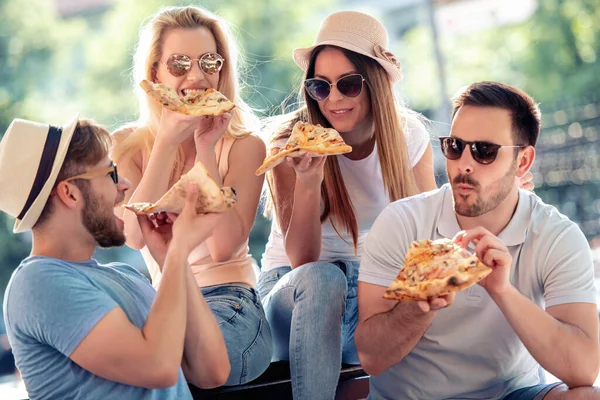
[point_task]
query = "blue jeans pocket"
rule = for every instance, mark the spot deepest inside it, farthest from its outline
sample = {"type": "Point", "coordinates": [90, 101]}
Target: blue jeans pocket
{"type": "Point", "coordinates": [225, 308]}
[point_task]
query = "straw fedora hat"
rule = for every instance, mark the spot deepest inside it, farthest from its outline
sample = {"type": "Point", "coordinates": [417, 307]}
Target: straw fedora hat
{"type": "Point", "coordinates": [358, 32]}
{"type": "Point", "coordinates": [31, 155]}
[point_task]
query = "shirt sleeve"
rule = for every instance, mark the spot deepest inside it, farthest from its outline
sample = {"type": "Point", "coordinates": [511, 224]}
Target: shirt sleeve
{"type": "Point", "coordinates": [569, 269]}
{"type": "Point", "coordinates": [417, 139]}
{"type": "Point", "coordinates": [386, 246]}
{"type": "Point", "coordinates": [56, 305]}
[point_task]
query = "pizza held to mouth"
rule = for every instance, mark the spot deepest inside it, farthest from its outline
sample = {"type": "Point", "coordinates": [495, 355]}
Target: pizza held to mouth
{"type": "Point", "coordinates": [208, 103]}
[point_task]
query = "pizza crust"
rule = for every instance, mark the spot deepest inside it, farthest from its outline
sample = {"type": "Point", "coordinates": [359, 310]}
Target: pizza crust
{"type": "Point", "coordinates": [435, 268]}
{"type": "Point", "coordinates": [211, 198]}
{"type": "Point", "coordinates": [307, 138]}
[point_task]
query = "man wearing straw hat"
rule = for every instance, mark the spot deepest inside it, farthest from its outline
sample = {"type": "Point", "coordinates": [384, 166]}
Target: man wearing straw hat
{"type": "Point", "coordinates": [81, 330]}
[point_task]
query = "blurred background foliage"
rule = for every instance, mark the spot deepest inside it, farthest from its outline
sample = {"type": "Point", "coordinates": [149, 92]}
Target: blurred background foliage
{"type": "Point", "coordinates": [60, 57]}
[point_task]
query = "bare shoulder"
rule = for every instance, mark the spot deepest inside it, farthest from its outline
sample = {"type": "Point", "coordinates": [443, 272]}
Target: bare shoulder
{"type": "Point", "coordinates": [249, 148]}
{"type": "Point", "coordinates": [133, 156]}
{"type": "Point", "coordinates": [122, 133]}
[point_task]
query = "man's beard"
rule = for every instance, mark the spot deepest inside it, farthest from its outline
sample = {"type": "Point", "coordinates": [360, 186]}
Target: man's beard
{"type": "Point", "coordinates": [481, 206]}
{"type": "Point", "coordinates": [100, 223]}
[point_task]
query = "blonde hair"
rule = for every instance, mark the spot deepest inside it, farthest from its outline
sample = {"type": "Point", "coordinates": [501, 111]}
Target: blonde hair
{"type": "Point", "coordinates": [147, 55]}
{"type": "Point", "coordinates": [389, 122]}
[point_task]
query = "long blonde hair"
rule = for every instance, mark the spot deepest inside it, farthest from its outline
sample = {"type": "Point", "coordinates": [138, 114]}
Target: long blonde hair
{"type": "Point", "coordinates": [147, 56]}
{"type": "Point", "coordinates": [389, 119]}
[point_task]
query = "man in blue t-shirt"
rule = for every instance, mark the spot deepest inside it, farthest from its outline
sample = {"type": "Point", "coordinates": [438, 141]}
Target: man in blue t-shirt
{"type": "Point", "coordinates": [81, 330]}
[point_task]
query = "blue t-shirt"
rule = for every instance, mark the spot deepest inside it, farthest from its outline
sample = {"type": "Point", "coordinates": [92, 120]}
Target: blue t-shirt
{"type": "Point", "coordinates": [51, 305]}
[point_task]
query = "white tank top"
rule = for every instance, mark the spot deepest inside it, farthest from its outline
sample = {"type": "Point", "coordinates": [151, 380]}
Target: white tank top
{"type": "Point", "coordinates": [364, 182]}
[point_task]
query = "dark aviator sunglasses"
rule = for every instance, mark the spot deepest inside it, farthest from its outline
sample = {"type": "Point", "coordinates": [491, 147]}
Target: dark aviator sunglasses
{"type": "Point", "coordinates": [482, 152]}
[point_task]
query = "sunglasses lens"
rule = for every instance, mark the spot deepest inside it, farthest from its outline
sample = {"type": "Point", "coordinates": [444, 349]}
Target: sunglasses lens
{"type": "Point", "coordinates": [115, 175]}
{"type": "Point", "coordinates": [178, 65]}
{"type": "Point", "coordinates": [350, 86]}
{"type": "Point", "coordinates": [318, 89]}
{"type": "Point", "coordinates": [452, 148]}
{"type": "Point", "coordinates": [211, 63]}
{"type": "Point", "coordinates": [483, 152]}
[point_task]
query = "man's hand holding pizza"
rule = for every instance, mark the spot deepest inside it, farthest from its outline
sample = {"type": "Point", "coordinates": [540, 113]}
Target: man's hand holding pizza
{"type": "Point", "coordinates": [436, 303]}
{"type": "Point", "coordinates": [491, 252]}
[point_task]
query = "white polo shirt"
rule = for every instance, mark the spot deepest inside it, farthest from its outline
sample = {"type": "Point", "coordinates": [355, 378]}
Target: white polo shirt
{"type": "Point", "coordinates": [470, 351]}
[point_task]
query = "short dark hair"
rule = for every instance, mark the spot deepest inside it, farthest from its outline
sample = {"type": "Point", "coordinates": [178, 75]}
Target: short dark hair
{"type": "Point", "coordinates": [525, 113]}
{"type": "Point", "coordinates": [90, 143]}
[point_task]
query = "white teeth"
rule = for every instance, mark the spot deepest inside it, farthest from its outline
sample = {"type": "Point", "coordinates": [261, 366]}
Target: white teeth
{"type": "Point", "coordinates": [339, 111]}
{"type": "Point", "coordinates": [188, 91]}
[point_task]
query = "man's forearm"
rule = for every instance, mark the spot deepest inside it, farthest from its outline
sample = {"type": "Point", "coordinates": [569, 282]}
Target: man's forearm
{"type": "Point", "coordinates": [560, 348]}
{"type": "Point", "coordinates": [386, 338]}
{"type": "Point", "coordinates": [165, 326]}
{"type": "Point", "coordinates": [205, 354]}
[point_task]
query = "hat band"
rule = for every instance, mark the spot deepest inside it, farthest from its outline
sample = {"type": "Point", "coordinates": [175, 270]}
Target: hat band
{"type": "Point", "coordinates": [45, 167]}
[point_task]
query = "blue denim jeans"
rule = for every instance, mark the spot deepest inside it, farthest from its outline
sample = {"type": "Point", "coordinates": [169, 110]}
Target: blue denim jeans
{"type": "Point", "coordinates": [313, 312]}
{"type": "Point", "coordinates": [247, 335]}
{"type": "Point", "coordinates": [537, 392]}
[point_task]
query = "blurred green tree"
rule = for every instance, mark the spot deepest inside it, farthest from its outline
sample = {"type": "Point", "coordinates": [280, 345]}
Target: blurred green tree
{"type": "Point", "coordinates": [555, 55]}
{"type": "Point", "coordinates": [26, 47]}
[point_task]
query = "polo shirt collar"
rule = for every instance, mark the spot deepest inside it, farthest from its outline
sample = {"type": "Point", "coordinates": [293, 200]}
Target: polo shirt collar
{"type": "Point", "coordinates": [513, 235]}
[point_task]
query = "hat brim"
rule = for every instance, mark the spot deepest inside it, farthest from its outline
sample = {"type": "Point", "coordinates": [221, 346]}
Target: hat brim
{"type": "Point", "coordinates": [31, 217]}
{"type": "Point", "coordinates": [302, 56]}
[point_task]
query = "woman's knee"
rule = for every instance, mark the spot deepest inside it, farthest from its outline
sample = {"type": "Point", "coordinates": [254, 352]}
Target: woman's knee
{"type": "Point", "coordinates": [321, 278]}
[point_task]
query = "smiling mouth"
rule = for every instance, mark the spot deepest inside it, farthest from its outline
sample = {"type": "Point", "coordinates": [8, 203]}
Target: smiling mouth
{"type": "Point", "coordinates": [340, 112]}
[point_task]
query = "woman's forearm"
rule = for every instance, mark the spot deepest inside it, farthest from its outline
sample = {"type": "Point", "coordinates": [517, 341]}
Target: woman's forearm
{"type": "Point", "coordinates": [303, 236]}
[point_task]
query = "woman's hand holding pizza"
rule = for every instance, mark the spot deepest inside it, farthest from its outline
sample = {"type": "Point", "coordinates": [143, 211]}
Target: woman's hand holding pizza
{"type": "Point", "coordinates": [491, 252]}
{"type": "Point", "coordinates": [175, 128]}
{"type": "Point", "coordinates": [309, 168]}
{"type": "Point", "coordinates": [209, 130]}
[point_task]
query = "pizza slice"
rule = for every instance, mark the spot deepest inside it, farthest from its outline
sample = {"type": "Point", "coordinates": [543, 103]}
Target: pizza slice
{"type": "Point", "coordinates": [435, 268]}
{"type": "Point", "coordinates": [307, 138]}
{"type": "Point", "coordinates": [209, 103]}
{"type": "Point", "coordinates": [211, 198]}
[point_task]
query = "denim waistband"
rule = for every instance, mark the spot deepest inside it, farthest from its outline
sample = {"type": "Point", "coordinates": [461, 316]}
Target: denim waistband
{"type": "Point", "coordinates": [241, 288]}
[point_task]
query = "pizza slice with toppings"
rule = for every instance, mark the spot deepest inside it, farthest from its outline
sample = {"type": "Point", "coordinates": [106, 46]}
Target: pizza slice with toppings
{"type": "Point", "coordinates": [208, 103]}
{"type": "Point", "coordinates": [435, 268]}
{"type": "Point", "coordinates": [307, 138]}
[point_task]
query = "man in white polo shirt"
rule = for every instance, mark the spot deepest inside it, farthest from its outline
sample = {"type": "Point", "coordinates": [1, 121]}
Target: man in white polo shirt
{"type": "Point", "coordinates": [535, 311]}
